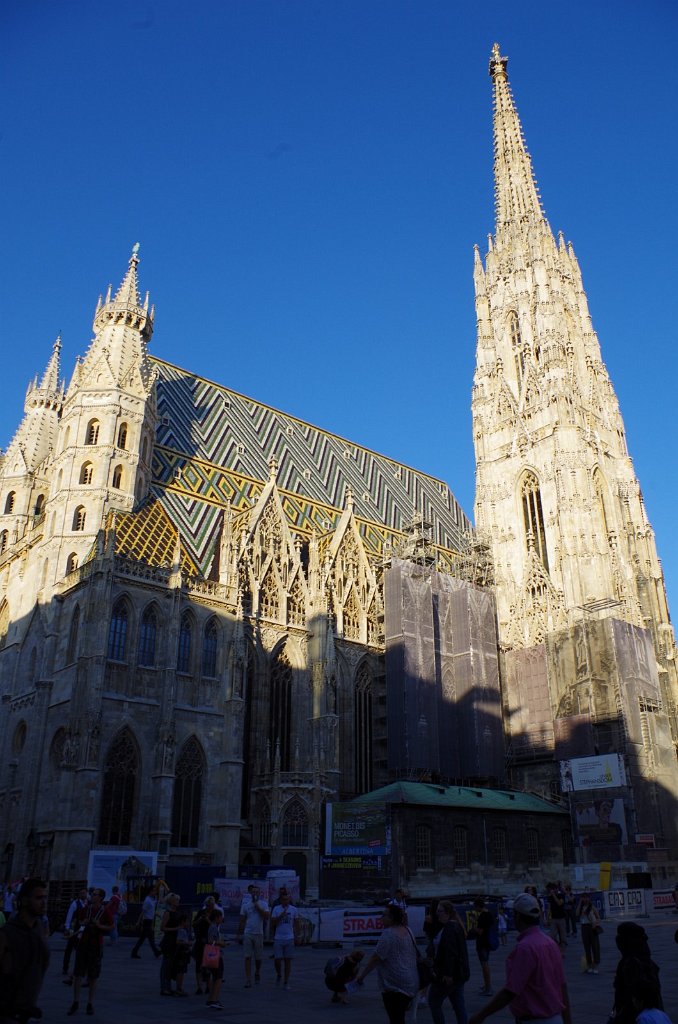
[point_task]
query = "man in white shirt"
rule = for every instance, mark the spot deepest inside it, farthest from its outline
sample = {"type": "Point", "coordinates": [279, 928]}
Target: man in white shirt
{"type": "Point", "coordinates": [254, 912]}
{"type": "Point", "coordinates": [147, 922]}
{"type": "Point", "coordinates": [285, 923]}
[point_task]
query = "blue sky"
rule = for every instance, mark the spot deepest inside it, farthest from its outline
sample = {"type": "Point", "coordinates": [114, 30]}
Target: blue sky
{"type": "Point", "coordinates": [307, 180]}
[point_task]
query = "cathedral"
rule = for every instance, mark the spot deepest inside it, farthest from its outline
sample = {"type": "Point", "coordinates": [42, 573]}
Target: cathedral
{"type": "Point", "coordinates": [216, 619]}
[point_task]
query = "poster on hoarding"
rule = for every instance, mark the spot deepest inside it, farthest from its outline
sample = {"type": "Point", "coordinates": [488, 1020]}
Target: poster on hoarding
{"type": "Point", "coordinates": [358, 829]}
{"type": "Point", "coordinates": [107, 868]}
{"type": "Point", "coordinates": [600, 821]}
{"type": "Point", "coordinates": [601, 772]}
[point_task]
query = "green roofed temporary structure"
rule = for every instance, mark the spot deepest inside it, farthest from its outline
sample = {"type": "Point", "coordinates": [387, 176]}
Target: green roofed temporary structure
{"type": "Point", "coordinates": [468, 797]}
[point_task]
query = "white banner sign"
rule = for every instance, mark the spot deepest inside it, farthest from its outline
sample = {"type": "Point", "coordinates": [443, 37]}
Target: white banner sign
{"type": "Point", "coordinates": [605, 772]}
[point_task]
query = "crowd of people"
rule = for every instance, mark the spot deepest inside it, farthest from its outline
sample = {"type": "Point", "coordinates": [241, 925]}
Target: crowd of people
{"type": "Point", "coordinates": [534, 988]}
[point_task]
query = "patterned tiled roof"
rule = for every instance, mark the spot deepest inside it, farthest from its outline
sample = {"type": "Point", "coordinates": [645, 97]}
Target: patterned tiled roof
{"type": "Point", "coordinates": [214, 447]}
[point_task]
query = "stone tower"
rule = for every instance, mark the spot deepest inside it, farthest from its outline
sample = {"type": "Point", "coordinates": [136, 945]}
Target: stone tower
{"type": "Point", "coordinates": [589, 652]}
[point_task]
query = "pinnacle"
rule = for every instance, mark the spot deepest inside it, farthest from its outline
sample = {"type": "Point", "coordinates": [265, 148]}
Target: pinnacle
{"type": "Point", "coordinates": [128, 292]}
{"type": "Point", "coordinates": [50, 378]}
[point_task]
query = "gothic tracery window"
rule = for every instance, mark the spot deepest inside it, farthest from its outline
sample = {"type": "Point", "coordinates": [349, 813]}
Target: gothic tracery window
{"type": "Point", "coordinates": [117, 632]}
{"type": "Point", "coordinates": [269, 597]}
{"type": "Point", "coordinates": [363, 731]}
{"type": "Point", "coordinates": [188, 783]}
{"type": "Point", "coordinates": [516, 346]}
{"type": "Point", "coordinates": [295, 825]}
{"type": "Point", "coordinates": [118, 793]}
{"type": "Point", "coordinates": [533, 517]}
{"type": "Point", "coordinates": [185, 643]}
{"type": "Point", "coordinates": [296, 613]}
{"type": "Point", "coordinates": [148, 632]}
{"type": "Point", "coordinates": [281, 709]}
{"type": "Point", "coordinates": [210, 644]}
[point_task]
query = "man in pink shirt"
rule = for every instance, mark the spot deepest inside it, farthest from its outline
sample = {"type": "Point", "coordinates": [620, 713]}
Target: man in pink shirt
{"type": "Point", "coordinates": [535, 988]}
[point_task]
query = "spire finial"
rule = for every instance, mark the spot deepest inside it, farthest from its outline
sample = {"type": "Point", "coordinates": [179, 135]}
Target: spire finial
{"type": "Point", "coordinates": [517, 197]}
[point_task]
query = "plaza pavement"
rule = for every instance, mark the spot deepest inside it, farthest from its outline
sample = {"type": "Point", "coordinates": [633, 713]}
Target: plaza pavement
{"type": "Point", "coordinates": [129, 989]}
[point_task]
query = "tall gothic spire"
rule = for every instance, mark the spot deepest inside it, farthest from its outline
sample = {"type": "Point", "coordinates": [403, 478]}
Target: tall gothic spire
{"type": "Point", "coordinates": [516, 195]}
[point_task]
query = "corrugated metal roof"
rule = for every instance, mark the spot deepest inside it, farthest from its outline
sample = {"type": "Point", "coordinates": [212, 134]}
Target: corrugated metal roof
{"type": "Point", "coordinates": [428, 794]}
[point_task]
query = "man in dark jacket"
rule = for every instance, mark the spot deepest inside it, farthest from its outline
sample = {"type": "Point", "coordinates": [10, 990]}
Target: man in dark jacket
{"type": "Point", "coordinates": [450, 965]}
{"type": "Point", "coordinates": [23, 954]}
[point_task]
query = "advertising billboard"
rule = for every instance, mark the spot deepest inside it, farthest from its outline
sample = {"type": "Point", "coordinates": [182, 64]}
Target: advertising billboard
{"type": "Point", "coordinates": [600, 821]}
{"type": "Point", "coordinates": [605, 771]}
{"type": "Point", "coordinates": [358, 829]}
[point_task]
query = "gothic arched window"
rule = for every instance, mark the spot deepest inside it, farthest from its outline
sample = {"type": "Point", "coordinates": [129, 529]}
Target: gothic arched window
{"type": "Point", "coordinates": [9, 503]}
{"type": "Point", "coordinates": [296, 613]}
{"type": "Point", "coordinates": [79, 519]}
{"type": "Point", "coordinates": [92, 432]}
{"type": "Point", "coordinates": [185, 642]}
{"type": "Point", "coordinates": [4, 539]}
{"type": "Point", "coordinates": [39, 506]}
{"type": "Point", "coordinates": [117, 633]}
{"type": "Point", "coordinates": [86, 473]}
{"type": "Point", "coordinates": [189, 774]}
{"type": "Point", "coordinates": [210, 645]}
{"type": "Point", "coordinates": [148, 632]}
{"type": "Point", "coordinates": [281, 709]}
{"type": "Point", "coordinates": [117, 478]}
{"type": "Point", "coordinates": [118, 793]}
{"type": "Point", "coordinates": [363, 731]}
{"type": "Point", "coordinates": [516, 346]}
{"type": "Point", "coordinates": [122, 436]}
{"type": "Point", "coordinates": [295, 825]}
{"type": "Point", "coordinates": [72, 647]}
{"type": "Point", "coordinates": [71, 562]}
{"type": "Point", "coordinates": [533, 518]}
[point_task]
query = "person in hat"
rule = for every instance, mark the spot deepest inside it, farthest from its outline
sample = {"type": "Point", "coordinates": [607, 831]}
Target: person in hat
{"type": "Point", "coordinates": [535, 987]}
{"type": "Point", "coordinates": [636, 973]}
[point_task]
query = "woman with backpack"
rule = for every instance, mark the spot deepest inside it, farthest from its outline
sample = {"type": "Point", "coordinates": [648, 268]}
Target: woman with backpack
{"type": "Point", "coordinates": [450, 965]}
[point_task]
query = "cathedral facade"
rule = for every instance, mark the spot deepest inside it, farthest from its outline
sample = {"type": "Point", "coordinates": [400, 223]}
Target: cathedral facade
{"type": "Point", "coordinates": [215, 617]}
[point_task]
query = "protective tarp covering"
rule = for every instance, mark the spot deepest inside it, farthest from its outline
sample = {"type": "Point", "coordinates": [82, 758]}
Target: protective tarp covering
{"type": "Point", "coordinates": [442, 679]}
{"type": "Point", "coordinates": [530, 718]}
